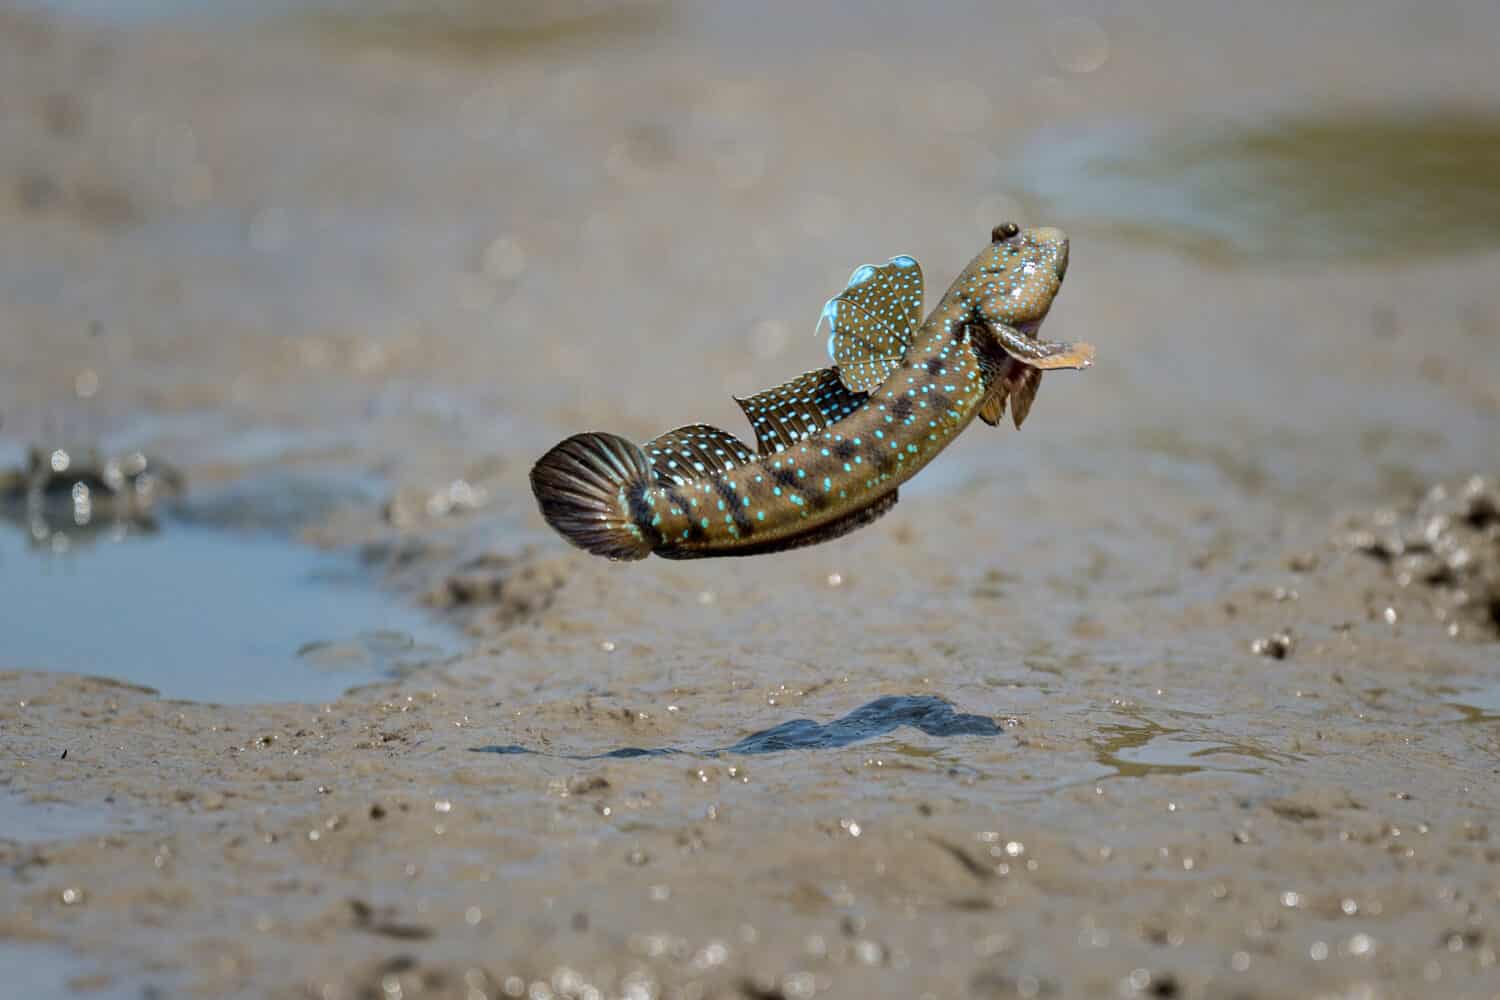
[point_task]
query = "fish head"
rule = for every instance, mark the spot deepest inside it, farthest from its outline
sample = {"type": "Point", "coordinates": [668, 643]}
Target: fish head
{"type": "Point", "coordinates": [1014, 280]}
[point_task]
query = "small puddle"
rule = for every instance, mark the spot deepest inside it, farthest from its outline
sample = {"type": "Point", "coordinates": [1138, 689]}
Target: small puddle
{"type": "Point", "coordinates": [1136, 750]}
{"type": "Point", "coordinates": [210, 600]}
{"type": "Point", "coordinates": [26, 821]}
{"type": "Point", "coordinates": [35, 969]}
{"type": "Point", "coordinates": [1480, 703]}
{"type": "Point", "coordinates": [1278, 189]}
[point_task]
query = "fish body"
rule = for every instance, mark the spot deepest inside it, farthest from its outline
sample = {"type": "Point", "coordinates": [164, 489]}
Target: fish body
{"type": "Point", "coordinates": [833, 445]}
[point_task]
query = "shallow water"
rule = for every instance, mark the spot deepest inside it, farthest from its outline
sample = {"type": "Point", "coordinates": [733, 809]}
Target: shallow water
{"type": "Point", "coordinates": [1135, 750]}
{"type": "Point", "coordinates": [1280, 188]}
{"type": "Point", "coordinates": [28, 821]}
{"type": "Point", "coordinates": [1479, 703]}
{"type": "Point", "coordinates": [41, 971]}
{"type": "Point", "coordinates": [207, 614]}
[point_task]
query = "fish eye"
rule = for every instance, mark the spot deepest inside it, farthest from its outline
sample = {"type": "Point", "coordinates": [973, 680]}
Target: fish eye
{"type": "Point", "coordinates": [1003, 232]}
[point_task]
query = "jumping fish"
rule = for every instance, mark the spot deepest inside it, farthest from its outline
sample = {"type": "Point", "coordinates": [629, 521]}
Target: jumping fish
{"type": "Point", "coordinates": [833, 444]}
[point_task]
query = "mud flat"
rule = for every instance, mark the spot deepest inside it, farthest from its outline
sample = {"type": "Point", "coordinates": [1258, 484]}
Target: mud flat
{"type": "Point", "coordinates": [1189, 689]}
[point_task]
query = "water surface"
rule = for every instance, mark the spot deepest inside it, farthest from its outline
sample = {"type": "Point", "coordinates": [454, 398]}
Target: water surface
{"type": "Point", "coordinates": [1291, 188]}
{"type": "Point", "coordinates": [207, 615]}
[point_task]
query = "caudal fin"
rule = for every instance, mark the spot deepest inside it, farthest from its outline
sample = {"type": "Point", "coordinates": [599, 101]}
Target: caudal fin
{"type": "Point", "coordinates": [584, 488]}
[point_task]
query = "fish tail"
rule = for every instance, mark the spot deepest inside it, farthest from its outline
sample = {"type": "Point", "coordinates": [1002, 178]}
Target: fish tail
{"type": "Point", "coordinates": [589, 488]}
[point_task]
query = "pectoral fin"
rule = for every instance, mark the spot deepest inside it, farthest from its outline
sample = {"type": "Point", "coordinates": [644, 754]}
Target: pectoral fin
{"type": "Point", "coordinates": [992, 410]}
{"type": "Point", "coordinates": [1017, 386]}
{"type": "Point", "coordinates": [1023, 395]}
{"type": "Point", "coordinates": [1046, 355]}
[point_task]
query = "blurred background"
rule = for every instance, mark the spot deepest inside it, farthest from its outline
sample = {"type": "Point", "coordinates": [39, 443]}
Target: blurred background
{"type": "Point", "coordinates": [401, 248]}
{"type": "Point", "coordinates": [228, 219]}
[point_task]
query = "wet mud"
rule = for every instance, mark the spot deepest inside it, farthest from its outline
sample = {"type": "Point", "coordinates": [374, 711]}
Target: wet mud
{"type": "Point", "coordinates": [1187, 690]}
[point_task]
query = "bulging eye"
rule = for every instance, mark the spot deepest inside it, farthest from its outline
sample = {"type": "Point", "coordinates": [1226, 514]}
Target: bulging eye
{"type": "Point", "coordinates": [1003, 232]}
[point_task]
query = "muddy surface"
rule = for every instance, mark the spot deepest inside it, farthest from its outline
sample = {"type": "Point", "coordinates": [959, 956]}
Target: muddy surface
{"type": "Point", "coordinates": [1189, 689]}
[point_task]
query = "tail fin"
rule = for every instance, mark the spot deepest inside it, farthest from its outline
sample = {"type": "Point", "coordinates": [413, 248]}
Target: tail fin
{"type": "Point", "coordinates": [583, 487]}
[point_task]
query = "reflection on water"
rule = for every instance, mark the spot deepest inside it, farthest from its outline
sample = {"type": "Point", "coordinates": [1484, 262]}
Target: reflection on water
{"type": "Point", "coordinates": [1279, 189]}
{"type": "Point", "coordinates": [68, 495]}
{"type": "Point", "coordinates": [925, 713]}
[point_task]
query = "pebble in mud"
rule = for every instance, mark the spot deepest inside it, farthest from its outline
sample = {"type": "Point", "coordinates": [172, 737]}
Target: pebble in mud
{"type": "Point", "coordinates": [1277, 645]}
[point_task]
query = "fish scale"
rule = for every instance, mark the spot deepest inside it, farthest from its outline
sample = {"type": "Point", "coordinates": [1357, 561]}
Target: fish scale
{"type": "Point", "coordinates": [835, 444]}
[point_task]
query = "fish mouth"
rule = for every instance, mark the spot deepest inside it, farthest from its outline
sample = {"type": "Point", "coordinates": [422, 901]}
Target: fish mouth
{"type": "Point", "coordinates": [1050, 238]}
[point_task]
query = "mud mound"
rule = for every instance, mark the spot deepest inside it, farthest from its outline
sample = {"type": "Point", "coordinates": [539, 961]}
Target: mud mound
{"type": "Point", "coordinates": [1444, 547]}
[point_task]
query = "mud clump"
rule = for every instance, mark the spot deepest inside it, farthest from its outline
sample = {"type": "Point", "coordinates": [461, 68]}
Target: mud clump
{"type": "Point", "coordinates": [500, 590]}
{"type": "Point", "coordinates": [1446, 546]}
{"type": "Point", "coordinates": [1277, 646]}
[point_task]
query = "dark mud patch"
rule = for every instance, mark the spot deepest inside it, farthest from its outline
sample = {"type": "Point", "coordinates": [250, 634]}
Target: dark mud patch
{"type": "Point", "coordinates": [497, 590]}
{"type": "Point", "coordinates": [932, 716]}
{"type": "Point", "coordinates": [1441, 554]}
{"type": "Point", "coordinates": [1281, 189]}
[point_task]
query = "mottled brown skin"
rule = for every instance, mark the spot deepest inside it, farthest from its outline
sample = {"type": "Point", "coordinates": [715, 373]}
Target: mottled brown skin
{"type": "Point", "coordinates": [835, 444]}
{"type": "Point", "coordinates": [822, 486]}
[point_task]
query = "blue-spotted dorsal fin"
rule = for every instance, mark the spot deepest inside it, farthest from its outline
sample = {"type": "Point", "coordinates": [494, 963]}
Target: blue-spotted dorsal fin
{"type": "Point", "coordinates": [791, 411]}
{"type": "Point", "coordinates": [693, 452]}
{"type": "Point", "coordinates": [871, 323]}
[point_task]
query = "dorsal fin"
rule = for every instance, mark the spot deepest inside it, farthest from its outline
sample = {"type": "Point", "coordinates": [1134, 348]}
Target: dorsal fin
{"type": "Point", "coordinates": [871, 322]}
{"type": "Point", "coordinates": [693, 452]}
{"type": "Point", "coordinates": [791, 411]}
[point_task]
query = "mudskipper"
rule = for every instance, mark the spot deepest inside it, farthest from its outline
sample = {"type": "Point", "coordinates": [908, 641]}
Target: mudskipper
{"type": "Point", "coordinates": [832, 445]}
